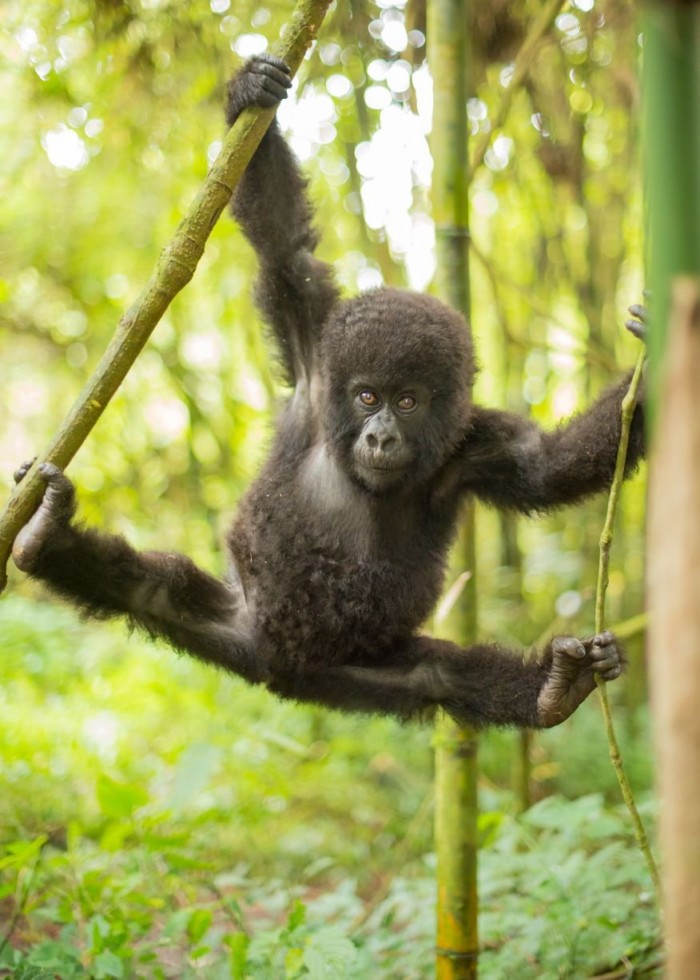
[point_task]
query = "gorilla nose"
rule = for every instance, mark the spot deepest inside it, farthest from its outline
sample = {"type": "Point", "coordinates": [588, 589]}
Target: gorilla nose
{"type": "Point", "coordinates": [384, 442]}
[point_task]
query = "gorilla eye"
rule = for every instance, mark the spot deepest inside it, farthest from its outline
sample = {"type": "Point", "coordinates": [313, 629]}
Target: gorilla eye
{"type": "Point", "coordinates": [407, 403]}
{"type": "Point", "coordinates": [369, 398]}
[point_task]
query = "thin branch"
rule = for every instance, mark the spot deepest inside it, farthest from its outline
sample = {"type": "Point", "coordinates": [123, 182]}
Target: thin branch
{"type": "Point", "coordinates": [523, 61]}
{"type": "Point", "coordinates": [590, 353]}
{"type": "Point", "coordinates": [606, 538]}
{"type": "Point", "coordinates": [630, 970]}
{"type": "Point", "coordinates": [175, 268]}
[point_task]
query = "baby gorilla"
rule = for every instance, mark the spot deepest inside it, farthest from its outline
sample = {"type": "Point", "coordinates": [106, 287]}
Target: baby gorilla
{"type": "Point", "coordinates": [338, 551]}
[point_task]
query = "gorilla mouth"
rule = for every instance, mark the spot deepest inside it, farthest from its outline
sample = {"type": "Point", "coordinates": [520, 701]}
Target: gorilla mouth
{"type": "Point", "coordinates": [385, 467]}
{"type": "Point", "coordinates": [381, 476]}
{"type": "Point", "coordinates": [383, 470]}
{"type": "Point", "coordinates": [397, 462]}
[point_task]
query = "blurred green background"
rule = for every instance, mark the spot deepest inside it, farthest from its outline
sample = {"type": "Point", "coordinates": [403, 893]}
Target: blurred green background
{"type": "Point", "coordinates": [158, 818]}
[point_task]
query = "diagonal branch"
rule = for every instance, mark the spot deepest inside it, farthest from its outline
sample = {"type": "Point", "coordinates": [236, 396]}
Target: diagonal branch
{"type": "Point", "coordinates": [175, 268]}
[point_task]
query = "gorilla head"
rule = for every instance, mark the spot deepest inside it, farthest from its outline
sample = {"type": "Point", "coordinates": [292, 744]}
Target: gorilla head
{"type": "Point", "coordinates": [398, 370]}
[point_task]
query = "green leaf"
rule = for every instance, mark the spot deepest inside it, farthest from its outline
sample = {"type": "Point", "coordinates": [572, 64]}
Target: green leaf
{"type": "Point", "coordinates": [194, 769]}
{"type": "Point", "coordinates": [297, 916]}
{"type": "Point", "coordinates": [199, 923]}
{"type": "Point", "coordinates": [107, 964]}
{"type": "Point", "coordinates": [99, 930]}
{"type": "Point", "coordinates": [27, 972]}
{"type": "Point", "coordinates": [117, 799]}
{"type": "Point", "coordinates": [238, 955]}
{"type": "Point", "coordinates": [21, 852]}
{"type": "Point", "coordinates": [329, 954]}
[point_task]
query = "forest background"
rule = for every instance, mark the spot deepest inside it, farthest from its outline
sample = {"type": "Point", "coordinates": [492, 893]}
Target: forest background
{"type": "Point", "coordinates": [158, 818]}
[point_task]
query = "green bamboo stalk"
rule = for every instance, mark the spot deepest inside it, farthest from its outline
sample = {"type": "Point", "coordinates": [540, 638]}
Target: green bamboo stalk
{"type": "Point", "coordinates": [671, 131]}
{"type": "Point", "coordinates": [175, 268]}
{"type": "Point", "coordinates": [457, 939]}
{"type": "Point", "coordinates": [606, 539]}
{"type": "Point", "coordinates": [455, 746]}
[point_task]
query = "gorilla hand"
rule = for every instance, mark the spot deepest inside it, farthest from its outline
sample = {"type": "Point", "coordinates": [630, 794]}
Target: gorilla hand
{"type": "Point", "coordinates": [53, 515]}
{"type": "Point", "coordinates": [571, 675]}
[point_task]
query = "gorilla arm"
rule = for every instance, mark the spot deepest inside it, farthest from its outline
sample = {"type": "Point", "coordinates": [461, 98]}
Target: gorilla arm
{"type": "Point", "coordinates": [295, 291]}
{"type": "Point", "coordinates": [510, 462]}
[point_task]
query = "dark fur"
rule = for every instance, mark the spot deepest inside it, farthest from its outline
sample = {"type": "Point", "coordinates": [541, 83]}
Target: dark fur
{"type": "Point", "coordinates": [338, 550]}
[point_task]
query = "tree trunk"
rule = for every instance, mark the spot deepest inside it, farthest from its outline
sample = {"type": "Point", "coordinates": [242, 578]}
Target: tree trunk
{"type": "Point", "coordinates": [674, 630]}
{"type": "Point", "coordinates": [672, 133]}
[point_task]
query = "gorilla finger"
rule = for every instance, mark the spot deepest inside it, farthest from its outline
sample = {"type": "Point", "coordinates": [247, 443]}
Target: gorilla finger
{"type": "Point", "coordinates": [638, 330]}
{"type": "Point", "coordinates": [612, 674]}
{"type": "Point", "coordinates": [568, 646]}
{"type": "Point", "coordinates": [277, 72]}
{"type": "Point", "coordinates": [60, 492]}
{"type": "Point", "coordinates": [600, 650]}
{"type": "Point", "coordinates": [265, 59]}
{"type": "Point", "coordinates": [267, 101]}
{"type": "Point", "coordinates": [22, 470]}
{"type": "Point", "coordinates": [607, 655]}
{"type": "Point", "coordinates": [53, 475]}
{"type": "Point", "coordinates": [602, 664]}
{"type": "Point", "coordinates": [638, 326]}
{"type": "Point", "coordinates": [271, 87]}
{"type": "Point", "coordinates": [604, 639]}
{"type": "Point", "coordinates": [639, 312]}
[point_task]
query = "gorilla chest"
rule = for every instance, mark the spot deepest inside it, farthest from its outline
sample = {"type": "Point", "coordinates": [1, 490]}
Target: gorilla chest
{"type": "Point", "coordinates": [330, 609]}
{"type": "Point", "coordinates": [342, 590]}
{"type": "Point", "coordinates": [333, 573]}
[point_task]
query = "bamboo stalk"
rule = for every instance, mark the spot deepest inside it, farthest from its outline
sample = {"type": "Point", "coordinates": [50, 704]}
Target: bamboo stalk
{"type": "Point", "coordinates": [455, 746]}
{"type": "Point", "coordinates": [456, 835]}
{"type": "Point", "coordinates": [671, 134]}
{"type": "Point", "coordinates": [174, 270]}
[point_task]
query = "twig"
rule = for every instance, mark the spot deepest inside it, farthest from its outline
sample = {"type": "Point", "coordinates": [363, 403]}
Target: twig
{"type": "Point", "coordinates": [629, 969]}
{"type": "Point", "coordinates": [606, 537]}
{"type": "Point", "coordinates": [25, 880]}
{"type": "Point", "coordinates": [176, 267]}
{"type": "Point", "coordinates": [589, 352]}
{"type": "Point", "coordinates": [523, 60]}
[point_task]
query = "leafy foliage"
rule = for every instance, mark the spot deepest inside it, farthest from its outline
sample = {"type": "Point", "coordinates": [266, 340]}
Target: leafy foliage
{"type": "Point", "coordinates": [150, 830]}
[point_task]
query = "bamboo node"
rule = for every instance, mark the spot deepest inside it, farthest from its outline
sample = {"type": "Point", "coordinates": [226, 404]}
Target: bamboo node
{"type": "Point", "coordinates": [457, 955]}
{"type": "Point", "coordinates": [452, 231]}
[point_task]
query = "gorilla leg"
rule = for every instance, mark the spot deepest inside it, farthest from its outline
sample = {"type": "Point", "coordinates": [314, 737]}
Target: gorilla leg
{"type": "Point", "coordinates": [165, 594]}
{"type": "Point", "coordinates": [482, 685]}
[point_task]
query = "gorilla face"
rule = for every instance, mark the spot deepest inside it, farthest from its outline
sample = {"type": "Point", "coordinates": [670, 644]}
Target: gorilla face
{"type": "Point", "coordinates": [398, 372]}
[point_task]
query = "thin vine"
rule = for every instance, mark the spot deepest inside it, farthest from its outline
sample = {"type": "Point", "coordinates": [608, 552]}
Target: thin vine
{"type": "Point", "coordinates": [606, 538]}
